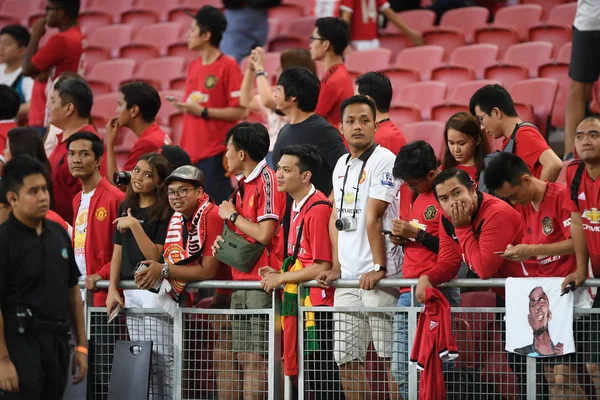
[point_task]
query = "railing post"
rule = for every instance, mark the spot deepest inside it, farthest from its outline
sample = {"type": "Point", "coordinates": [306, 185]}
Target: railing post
{"type": "Point", "coordinates": [412, 371]}
{"type": "Point", "coordinates": [300, 348]}
{"type": "Point", "coordinates": [275, 347]}
{"type": "Point", "coordinates": [531, 378]}
{"type": "Point", "coordinates": [178, 323]}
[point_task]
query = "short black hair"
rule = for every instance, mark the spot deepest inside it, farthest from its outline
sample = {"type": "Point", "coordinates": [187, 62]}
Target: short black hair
{"type": "Point", "coordinates": [377, 86]}
{"type": "Point", "coordinates": [17, 32]}
{"type": "Point", "coordinates": [491, 96]}
{"type": "Point", "coordinates": [463, 178]}
{"type": "Point", "coordinates": [144, 96]}
{"type": "Point", "coordinates": [303, 84]}
{"type": "Point", "coordinates": [71, 7]}
{"type": "Point", "coordinates": [358, 99]}
{"type": "Point", "coordinates": [97, 145]}
{"type": "Point", "coordinates": [505, 167]}
{"type": "Point", "coordinates": [9, 102]}
{"type": "Point", "coordinates": [78, 92]}
{"type": "Point", "coordinates": [211, 19]}
{"type": "Point", "coordinates": [251, 137]}
{"type": "Point", "coordinates": [19, 168]}
{"type": "Point", "coordinates": [336, 30]}
{"type": "Point", "coordinates": [308, 157]}
{"type": "Point", "coordinates": [414, 161]}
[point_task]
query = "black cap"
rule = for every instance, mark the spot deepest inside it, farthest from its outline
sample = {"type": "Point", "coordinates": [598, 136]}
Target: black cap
{"type": "Point", "coordinates": [176, 155]}
{"type": "Point", "coordinates": [211, 18]}
{"type": "Point", "coordinates": [3, 199]}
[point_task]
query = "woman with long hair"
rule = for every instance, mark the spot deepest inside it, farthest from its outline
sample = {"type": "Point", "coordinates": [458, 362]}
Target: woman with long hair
{"type": "Point", "coordinates": [465, 145]}
{"type": "Point", "coordinates": [140, 235]}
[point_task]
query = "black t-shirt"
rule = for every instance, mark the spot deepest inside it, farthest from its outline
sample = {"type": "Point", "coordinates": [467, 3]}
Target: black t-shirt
{"type": "Point", "coordinates": [36, 271]}
{"type": "Point", "coordinates": [131, 254]}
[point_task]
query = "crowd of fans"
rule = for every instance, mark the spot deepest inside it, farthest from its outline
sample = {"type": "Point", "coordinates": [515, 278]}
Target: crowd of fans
{"type": "Point", "coordinates": [330, 186]}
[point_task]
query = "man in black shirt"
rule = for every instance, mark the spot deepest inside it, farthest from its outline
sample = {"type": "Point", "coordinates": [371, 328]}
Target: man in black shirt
{"type": "Point", "coordinates": [39, 295]}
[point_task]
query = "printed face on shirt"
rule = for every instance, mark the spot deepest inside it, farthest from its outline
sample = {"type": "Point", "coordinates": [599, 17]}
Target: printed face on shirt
{"type": "Point", "coordinates": [82, 160]}
{"type": "Point", "coordinates": [453, 192]}
{"type": "Point", "coordinates": [143, 179]}
{"type": "Point", "coordinates": [462, 147]}
{"type": "Point", "coordinates": [519, 194]}
{"type": "Point", "coordinates": [490, 123]}
{"type": "Point", "coordinates": [539, 311]}
{"type": "Point", "coordinates": [183, 197]}
{"type": "Point", "coordinates": [289, 177]}
{"type": "Point", "coordinates": [33, 199]}
{"type": "Point", "coordinates": [318, 45]}
{"type": "Point", "coordinates": [358, 126]}
{"type": "Point", "coordinates": [587, 140]}
{"type": "Point", "coordinates": [10, 52]}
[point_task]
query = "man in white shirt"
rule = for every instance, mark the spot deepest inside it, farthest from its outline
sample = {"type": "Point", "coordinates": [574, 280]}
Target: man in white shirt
{"type": "Point", "coordinates": [367, 197]}
{"type": "Point", "coordinates": [13, 43]}
{"type": "Point", "coordinates": [584, 68]}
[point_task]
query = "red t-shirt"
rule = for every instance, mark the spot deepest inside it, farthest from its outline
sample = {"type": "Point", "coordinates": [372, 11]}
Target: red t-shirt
{"type": "Point", "coordinates": [336, 86]}
{"type": "Point", "coordinates": [365, 13]}
{"type": "Point", "coordinates": [315, 243]}
{"type": "Point", "coordinates": [550, 224]}
{"type": "Point", "coordinates": [469, 169]}
{"type": "Point", "coordinates": [5, 126]}
{"type": "Point", "coordinates": [216, 85]}
{"type": "Point", "coordinates": [589, 207]}
{"type": "Point", "coordinates": [52, 216]}
{"type": "Point", "coordinates": [389, 136]}
{"type": "Point", "coordinates": [261, 202]}
{"type": "Point", "coordinates": [65, 185]}
{"type": "Point", "coordinates": [425, 215]}
{"type": "Point", "coordinates": [530, 144]}
{"type": "Point", "coordinates": [151, 140]}
{"type": "Point", "coordinates": [62, 53]}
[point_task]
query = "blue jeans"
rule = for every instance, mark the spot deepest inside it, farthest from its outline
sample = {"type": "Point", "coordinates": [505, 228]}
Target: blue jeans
{"type": "Point", "coordinates": [247, 28]}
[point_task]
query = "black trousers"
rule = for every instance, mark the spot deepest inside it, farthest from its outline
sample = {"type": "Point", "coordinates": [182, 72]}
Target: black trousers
{"type": "Point", "coordinates": [42, 364]}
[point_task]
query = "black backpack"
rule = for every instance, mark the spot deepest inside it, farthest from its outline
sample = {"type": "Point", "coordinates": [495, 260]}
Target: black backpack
{"type": "Point", "coordinates": [576, 181]}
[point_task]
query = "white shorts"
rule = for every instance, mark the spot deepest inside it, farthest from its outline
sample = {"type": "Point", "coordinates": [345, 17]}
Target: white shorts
{"type": "Point", "coordinates": [360, 45]}
{"type": "Point", "coordinates": [354, 331]}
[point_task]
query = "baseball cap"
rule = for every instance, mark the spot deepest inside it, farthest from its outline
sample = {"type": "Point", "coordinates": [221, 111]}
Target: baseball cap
{"type": "Point", "coordinates": [210, 17]}
{"type": "Point", "coordinates": [186, 173]}
{"type": "Point", "coordinates": [176, 155]}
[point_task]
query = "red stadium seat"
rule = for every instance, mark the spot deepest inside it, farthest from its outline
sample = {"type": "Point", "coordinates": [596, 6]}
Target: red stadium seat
{"type": "Point", "coordinates": [421, 59]}
{"type": "Point", "coordinates": [532, 55]}
{"type": "Point", "coordinates": [368, 60]}
{"type": "Point", "coordinates": [6, 20]}
{"type": "Point", "coordinates": [19, 10]}
{"type": "Point", "coordinates": [92, 56]}
{"type": "Point", "coordinates": [548, 6]}
{"type": "Point", "coordinates": [153, 9]}
{"type": "Point", "coordinates": [419, 20]}
{"type": "Point", "coordinates": [463, 92]}
{"type": "Point", "coordinates": [402, 114]}
{"type": "Point", "coordinates": [501, 37]}
{"type": "Point", "coordinates": [449, 38]}
{"type": "Point", "coordinates": [558, 28]}
{"type": "Point", "coordinates": [563, 14]}
{"type": "Point", "coordinates": [424, 95]}
{"type": "Point", "coordinates": [564, 54]}
{"type": "Point", "coordinates": [430, 131]}
{"type": "Point", "coordinates": [167, 109]}
{"type": "Point", "coordinates": [466, 18]}
{"type": "Point", "coordinates": [180, 49]}
{"type": "Point", "coordinates": [560, 73]}
{"type": "Point", "coordinates": [453, 75]}
{"type": "Point", "coordinates": [399, 78]}
{"type": "Point", "coordinates": [105, 107]}
{"type": "Point", "coordinates": [286, 12]}
{"type": "Point", "coordinates": [152, 41]}
{"type": "Point", "coordinates": [284, 42]}
{"type": "Point", "coordinates": [506, 75]}
{"type": "Point", "coordinates": [521, 17]}
{"type": "Point", "coordinates": [274, 28]}
{"type": "Point", "coordinates": [476, 56]}
{"type": "Point", "coordinates": [395, 42]}
{"type": "Point", "coordinates": [111, 73]}
{"type": "Point", "coordinates": [443, 112]}
{"type": "Point", "coordinates": [525, 111]}
{"type": "Point", "coordinates": [541, 94]}
{"type": "Point", "coordinates": [176, 123]}
{"type": "Point", "coordinates": [140, 18]}
{"type": "Point", "coordinates": [300, 26]}
{"type": "Point", "coordinates": [92, 20]}
{"type": "Point", "coordinates": [161, 71]}
{"type": "Point", "coordinates": [112, 7]}
{"type": "Point", "coordinates": [111, 38]}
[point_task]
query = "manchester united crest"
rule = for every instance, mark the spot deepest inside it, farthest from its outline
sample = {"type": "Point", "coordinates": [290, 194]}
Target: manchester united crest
{"type": "Point", "coordinates": [547, 226]}
{"type": "Point", "coordinates": [430, 213]}
{"type": "Point", "coordinates": [101, 214]}
{"type": "Point", "coordinates": [210, 82]}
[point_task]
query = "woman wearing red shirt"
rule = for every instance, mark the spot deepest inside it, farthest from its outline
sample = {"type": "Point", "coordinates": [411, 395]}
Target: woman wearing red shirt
{"type": "Point", "coordinates": [465, 145]}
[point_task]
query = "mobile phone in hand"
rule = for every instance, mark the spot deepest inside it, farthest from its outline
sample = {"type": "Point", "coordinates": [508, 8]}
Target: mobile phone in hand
{"type": "Point", "coordinates": [142, 267]}
{"type": "Point", "coordinates": [170, 98]}
{"type": "Point", "coordinates": [115, 311]}
{"type": "Point", "coordinates": [498, 252]}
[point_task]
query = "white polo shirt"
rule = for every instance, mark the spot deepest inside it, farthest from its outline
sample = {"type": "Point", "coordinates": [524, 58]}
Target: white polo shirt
{"type": "Point", "coordinates": [376, 182]}
{"type": "Point", "coordinates": [587, 17]}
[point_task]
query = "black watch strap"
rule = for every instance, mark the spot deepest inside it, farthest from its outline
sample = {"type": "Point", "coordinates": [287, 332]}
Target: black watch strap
{"type": "Point", "coordinates": [234, 217]}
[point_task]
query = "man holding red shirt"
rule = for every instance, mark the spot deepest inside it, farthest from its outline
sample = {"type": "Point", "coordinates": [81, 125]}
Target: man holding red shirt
{"type": "Point", "coordinates": [138, 106]}
{"type": "Point", "coordinates": [495, 110]}
{"type": "Point", "coordinates": [62, 53]}
{"type": "Point", "coordinates": [212, 100]}
{"type": "Point", "coordinates": [328, 41]}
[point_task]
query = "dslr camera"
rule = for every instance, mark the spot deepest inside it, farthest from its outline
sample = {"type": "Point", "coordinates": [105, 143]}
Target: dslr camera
{"type": "Point", "coordinates": [122, 178]}
{"type": "Point", "coordinates": [346, 224]}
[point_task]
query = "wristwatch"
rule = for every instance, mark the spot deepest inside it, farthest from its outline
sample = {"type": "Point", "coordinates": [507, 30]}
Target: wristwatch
{"type": "Point", "coordinates": [165, 271]}
{"type": "Point", "coordinates": [377, 267]}
{"type": "Point", "coordinates": [233, 217]}
{"type": "Point", "coordinates": [204, 113]}
{"type": "Point", "coordinates": [420, 236]}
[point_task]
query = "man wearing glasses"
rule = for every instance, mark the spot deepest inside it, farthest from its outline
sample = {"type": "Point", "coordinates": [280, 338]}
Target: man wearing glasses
{"type": "Point", "coordinates": [62, 53]}
{"type": "Point", "coordinates": [495, 110]}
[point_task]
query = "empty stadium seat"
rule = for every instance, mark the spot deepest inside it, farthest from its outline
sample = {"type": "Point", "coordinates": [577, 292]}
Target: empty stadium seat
{"type": "Point", "coordinates": [111, 73]}
{"type": "Point", "coordinates": [105, 107]}
{"type": "Point", "coordinates": [421, 59]}
{"type": "Point", "coordinates": [564, 54]}
{"type": "Point", "coordinates": [299, 26]}
{"type": "Point", "coordinates": [424, 95]}
{"type": "Point", "coordinates": [368, 60]}
{"type": "Point", "coordinates": [402, 114]}
{"type": "Point", "coordinates": [140, 18]}
{"type": "Point", "coordinates": [111, 38]}
{"type": "Point", "coordinates": [463, 92]}
{"type": "Point", "coordinates": [547, 6]}
{"type": "Point", "coordinates": [92, 56]}
{"type": "Point", "coordinates": [523, 55]}
{"type": "Point", "coordinates": [180, 49]}
{"type": "Point", "coordinates": [19, 10]}
{"type": "Point", "coordinates": [525, 111]}
{"type": "Point", "coordinates": [399, 78]}
{"type": "Point", "coordinates": [558, 28]}
{"type": "Point", "coordinates": [466, 18]}
{"type": "Point", "coordinates": [152, 41]}
{"type": "Point", "coordinates": [286, 12]}
{"type": "Point", "coordinates": [114, 8]}
{"type": "Point", "coordinates": [178, 84]}
{"type": "Point", "coordinates": [161, 71]}
{"type": "Point", "coordinates": [92, 20]}
{"type": "Point", "coordinates": [520, 17]}
{"type": "Point", "coordinates": [430, 131]}
{"type": "Point", "coordinates": [476, 56]}
{"type": "Point", "coordinates": [284, 42]}
{"type": "Point", "coordinates": [560, 73]}
{"type": "Point", "coordinates": [167, 109]}
{"type": "Point", "coordinates": [154, 10]}
{"type": "Point", "coordinates": [449, 38]}
{"type": "Point", "coordinates": [503, 37]}
{"type": "Point", "coordinates": [395, 42]}
{"type": "Point", "coordinates": [8, 20]}
{"type": "Point", "coordinates": [540, 93]}
{"type": "Point", "coordinates": [453, 75]}
{"type": "Point", "coordinates": [418, 20]}
{"type": "Point", "coordinates": [443, 112]}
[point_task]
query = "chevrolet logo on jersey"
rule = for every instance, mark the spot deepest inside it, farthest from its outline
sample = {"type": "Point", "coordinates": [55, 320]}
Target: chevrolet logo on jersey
{"type": "Point", "coordinates": [592, 215]}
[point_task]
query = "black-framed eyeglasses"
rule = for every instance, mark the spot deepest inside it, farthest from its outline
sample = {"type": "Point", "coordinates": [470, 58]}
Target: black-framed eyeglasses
{"type": "Point", "coordinates": [312, 39]}
{"type": "Point", "coordinates": [480, 118]}
{"type": "Point", "coordinates": [179, 193]}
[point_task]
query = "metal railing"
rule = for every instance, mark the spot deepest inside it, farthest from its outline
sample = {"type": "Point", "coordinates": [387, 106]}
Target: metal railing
{"type": "Point", "coordinates": [197, 351]}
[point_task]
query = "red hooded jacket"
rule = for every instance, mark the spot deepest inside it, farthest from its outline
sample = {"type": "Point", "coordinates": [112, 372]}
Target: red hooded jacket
{"type": "Point", "coordinates": [104, 209]}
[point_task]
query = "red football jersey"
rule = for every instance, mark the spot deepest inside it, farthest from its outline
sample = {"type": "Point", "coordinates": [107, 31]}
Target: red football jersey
{"type": "Point", "coordinates": [550, 224]}
{"type": "Point", "coordinates": [589, 207]}
{"type": "Point", "coordinates": [151, 140]}
{"type": "Point", "coordinates": [365, 14]}
{"type": "Point", "coordinates": [390, 136]}
{"type": "Point", "coordinates": [5, 126]}
{"type": "Point", "coordinates": [315, 243]}
{"type": "Point", "coordinates": [216, 85]}
{"type": "Point", "coordinates": [530, 144]}
{"type": "Point", "coordinates": [261, 201]}
{"type": "Point", "coordinates": [336, 86]}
